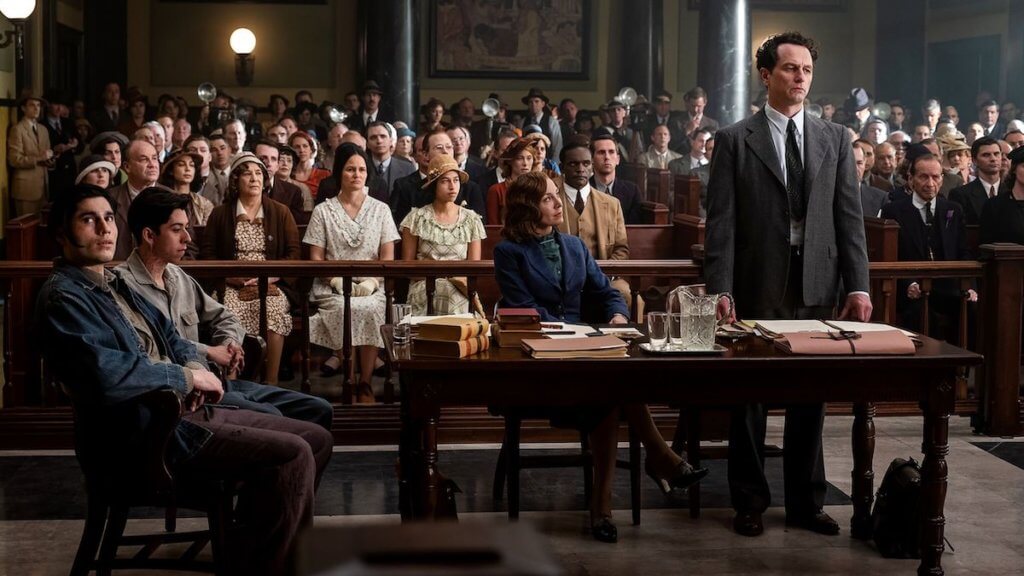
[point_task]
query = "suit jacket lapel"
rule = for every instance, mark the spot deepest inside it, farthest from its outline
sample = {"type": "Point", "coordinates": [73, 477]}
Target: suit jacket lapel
{"type": "Point", "coordinates": [535, 256]}
{"type": "Point", "coordinates": [568, 264]}
{"type": "Point", "coordinates": [815, 147]}
{"type": "Point", "coordinates": [760, 141]}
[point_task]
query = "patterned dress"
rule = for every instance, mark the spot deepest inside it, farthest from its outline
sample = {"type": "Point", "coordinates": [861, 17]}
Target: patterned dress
{"type": "Point", "coordinates": [439, 241]}
{"type": "Point", "coordinates": [345, 238]}
{"type": "Point", "coordinates": [251, 246]}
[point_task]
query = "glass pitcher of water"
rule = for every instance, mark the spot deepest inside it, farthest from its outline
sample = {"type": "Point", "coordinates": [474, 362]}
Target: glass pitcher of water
{"type": "Point", "coordinates": [692, 326]}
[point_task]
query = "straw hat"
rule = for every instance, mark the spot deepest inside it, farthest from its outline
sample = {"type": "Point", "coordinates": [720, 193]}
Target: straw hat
{"type": "Point", "coordinates": [441, 165]}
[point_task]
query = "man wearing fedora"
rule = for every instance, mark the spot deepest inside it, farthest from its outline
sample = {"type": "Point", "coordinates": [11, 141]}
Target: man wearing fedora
{"type": "Point", "coordinates": [537, 113]}
{"type": "Point", "coordinates": [30, 156]}
{"type": "Point", "coordinates": [370, 111]}
{"type": "Point", "coordinates": [858, 109]}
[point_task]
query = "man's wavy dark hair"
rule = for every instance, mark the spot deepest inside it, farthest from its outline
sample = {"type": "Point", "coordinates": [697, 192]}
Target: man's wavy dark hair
{"type": "Point", "coordinates": [768, 53]}
{"type": "Point", "coordinates": [63, 209]}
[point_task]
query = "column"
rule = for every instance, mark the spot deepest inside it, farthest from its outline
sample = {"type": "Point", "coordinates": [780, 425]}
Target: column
{"type": "Point", "coordinates": [641, 60]}
{"type": "Point", "coordinates": [389, 40]}
{"type": "Point", "coordinates": [900, 53]}
{"type": "Point", "coordinates": [723, 58]}
{"type": "Point", "coordinates": [1015, 55]}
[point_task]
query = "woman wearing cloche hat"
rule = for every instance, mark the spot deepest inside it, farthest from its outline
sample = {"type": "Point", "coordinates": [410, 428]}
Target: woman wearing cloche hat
{"type": "Point", "coordinates": [442, 230]}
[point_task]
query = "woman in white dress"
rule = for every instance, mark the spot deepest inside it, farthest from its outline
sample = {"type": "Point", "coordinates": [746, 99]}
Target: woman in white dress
{"type": "Point", "coordinates": [350, 226]}
{"type": "Point", "coordinates": [442, 230]}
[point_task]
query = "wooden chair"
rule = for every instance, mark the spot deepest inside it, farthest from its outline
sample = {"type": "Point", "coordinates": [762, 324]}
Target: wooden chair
{"type": "Point", "coordinates": [118, 478]}
{"type": "Point", "coordinates": [510, 462]}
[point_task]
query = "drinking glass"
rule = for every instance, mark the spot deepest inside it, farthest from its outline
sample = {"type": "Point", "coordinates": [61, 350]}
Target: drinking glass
{"type": "Point", "coordinates": [676, 332]}
{"type": "Point", "coordinates": [400, 320]}
{"type": "Point", "coordinates": [657, 329]}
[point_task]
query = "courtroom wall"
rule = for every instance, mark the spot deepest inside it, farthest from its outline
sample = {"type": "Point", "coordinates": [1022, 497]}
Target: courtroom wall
{"type": "Point", "coordinates": [177, 46]}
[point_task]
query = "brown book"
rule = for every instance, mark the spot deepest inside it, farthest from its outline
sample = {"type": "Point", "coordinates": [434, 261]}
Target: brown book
{"type": "Point", "coordinates": [450, 348]}
{"type": "Point", "coordinates": [513, 337]}
{"type": "Point", "coordinates": [451, 328]}
{"type": "Point", "coordinates": [589, 347]}
{"type": "Point", "coordinates": [518, 318]}
{"type": "Point", "coordinates": [889, 342]}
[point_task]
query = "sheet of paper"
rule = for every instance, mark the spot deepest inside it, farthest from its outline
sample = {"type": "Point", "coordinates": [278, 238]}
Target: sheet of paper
{"type": "Point", "coordinates": [578, 331]}
{"type": "Point", "coordinates": [782, 326]}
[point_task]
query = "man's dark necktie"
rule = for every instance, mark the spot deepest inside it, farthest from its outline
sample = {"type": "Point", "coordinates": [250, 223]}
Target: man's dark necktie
{"type": "Point", "coordinates": [991, 190]}
{"type": "Point", "coordinates": [579, 204]}
{"type": "Point", "coordinates": [929, 216]}
{"type": "Point", "coordinates": [380, 169]}
{"type": "Point", "coordinates": [794, 174]}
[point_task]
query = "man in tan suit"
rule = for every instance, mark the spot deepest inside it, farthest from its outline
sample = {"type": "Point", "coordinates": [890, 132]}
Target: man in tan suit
{"type": "Point", "coordinates": [593, 216]}
{"type": "Point", "coordinates": [29, 154]}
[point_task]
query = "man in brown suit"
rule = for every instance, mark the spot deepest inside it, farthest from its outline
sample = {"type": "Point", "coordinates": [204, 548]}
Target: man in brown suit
{"type": "Point", "coordinates": [143, 169]}
{"type": "Point", "coordinates": [593, 216]}
{"type": "Point", "coordinates": [29, 154]}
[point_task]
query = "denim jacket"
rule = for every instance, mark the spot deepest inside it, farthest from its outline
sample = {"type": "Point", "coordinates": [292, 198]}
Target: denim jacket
{"type": "Point", "coordinates": [96, 353]}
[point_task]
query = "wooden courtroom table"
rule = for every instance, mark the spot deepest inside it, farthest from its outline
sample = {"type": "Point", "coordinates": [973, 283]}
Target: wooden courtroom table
{"type": "Point", "coordinates": [752, 370]}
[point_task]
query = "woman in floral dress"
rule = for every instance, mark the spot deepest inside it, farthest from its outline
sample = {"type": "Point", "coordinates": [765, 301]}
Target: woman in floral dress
{"type": "Point", "coordinates": [250, 226]}
{"type": "Point", "coordinates": [442, 230]}
{"type": "Point", "coordinates": [350, 226]}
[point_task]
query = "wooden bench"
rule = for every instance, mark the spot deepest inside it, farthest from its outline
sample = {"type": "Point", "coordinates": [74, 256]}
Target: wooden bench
{"type": "Point", "coordinates": [686, 195]}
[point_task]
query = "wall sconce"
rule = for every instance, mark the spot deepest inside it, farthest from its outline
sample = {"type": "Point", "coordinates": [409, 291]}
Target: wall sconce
{"type": "Point", "coordinates": [243, 42]}
{"type": "Point", "coordinates": [17, 11]}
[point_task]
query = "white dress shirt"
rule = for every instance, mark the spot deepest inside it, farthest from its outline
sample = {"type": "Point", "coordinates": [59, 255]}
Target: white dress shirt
{"type": "Point", "coordinates": [572, 193]}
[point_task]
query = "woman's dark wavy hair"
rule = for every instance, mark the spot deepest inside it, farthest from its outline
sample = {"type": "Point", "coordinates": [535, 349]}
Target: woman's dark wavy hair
{"type": "Point", "coordinates": [341, 157]}
{"type": "Point", "coordinates": [1011, 178]}
{"type": "Point", "coordinates": [522, 206]}
{"type": "Point", "coordinates": [768, 53]}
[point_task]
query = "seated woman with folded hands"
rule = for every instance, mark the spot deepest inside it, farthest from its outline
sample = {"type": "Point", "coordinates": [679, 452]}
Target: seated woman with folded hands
{"type": "Point", "coordinates": [350, 226]}
{"type": "Point", "coordinates": [537, 267]}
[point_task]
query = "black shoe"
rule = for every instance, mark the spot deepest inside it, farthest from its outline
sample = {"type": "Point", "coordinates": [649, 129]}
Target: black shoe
{"type": "Point", "coordinates": [748, 524]}
{"type": "Point", "coordinates": [605, 531]}
{"type": "Point", "coordinates": [817, 521]}
{"type": "Point", "coordinates": [684, 476]}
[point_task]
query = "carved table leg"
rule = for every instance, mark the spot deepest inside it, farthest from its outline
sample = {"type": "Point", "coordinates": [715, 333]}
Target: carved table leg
{"type": "Point", "coordinates": [934, 474]}
{"type": "Point", "coordinates": [863, 474]}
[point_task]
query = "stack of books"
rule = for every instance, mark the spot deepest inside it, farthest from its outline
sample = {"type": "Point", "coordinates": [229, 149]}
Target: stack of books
{"type": "Point", "coordinates": [451, 337]}
{"type": "Point", "coordinates": [586, 347]}
{"type": "Point", "coordinates": [513, 325]}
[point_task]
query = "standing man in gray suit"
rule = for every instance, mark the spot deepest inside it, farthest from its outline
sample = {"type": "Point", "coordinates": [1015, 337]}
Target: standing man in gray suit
{"type": "Point", "coordinates": [784, 227]}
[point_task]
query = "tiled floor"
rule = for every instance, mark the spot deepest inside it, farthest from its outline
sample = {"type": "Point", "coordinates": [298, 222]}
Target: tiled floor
{"type": "Point", "coordinates": [984, 511]}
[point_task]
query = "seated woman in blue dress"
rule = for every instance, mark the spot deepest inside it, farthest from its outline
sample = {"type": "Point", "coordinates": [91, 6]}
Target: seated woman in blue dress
{"type": "Point", "coordinates": [536, 267]}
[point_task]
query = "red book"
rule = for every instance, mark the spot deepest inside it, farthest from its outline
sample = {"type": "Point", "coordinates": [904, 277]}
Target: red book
{"type": "Point", "coordinates": [518, 318]}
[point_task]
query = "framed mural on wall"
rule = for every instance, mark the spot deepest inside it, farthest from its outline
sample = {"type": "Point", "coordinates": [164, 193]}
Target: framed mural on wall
{"type": "Point", "coordinates": [510, 39]}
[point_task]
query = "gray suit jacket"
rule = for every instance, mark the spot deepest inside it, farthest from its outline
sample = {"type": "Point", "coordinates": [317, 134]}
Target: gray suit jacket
{"type": "Point", "coordinates": [747, 244]}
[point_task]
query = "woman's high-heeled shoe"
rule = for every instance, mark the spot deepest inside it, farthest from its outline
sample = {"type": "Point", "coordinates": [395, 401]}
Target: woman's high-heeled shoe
{"type": "Point", "coordinates": [605, 531]}
{"type": "Point", "coordinates": [682, 477]}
